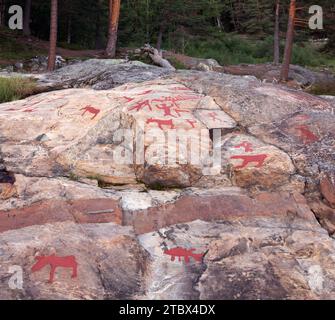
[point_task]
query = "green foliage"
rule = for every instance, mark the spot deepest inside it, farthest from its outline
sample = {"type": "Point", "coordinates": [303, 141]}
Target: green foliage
{"type": "Point", "coordinates": [15, 88]}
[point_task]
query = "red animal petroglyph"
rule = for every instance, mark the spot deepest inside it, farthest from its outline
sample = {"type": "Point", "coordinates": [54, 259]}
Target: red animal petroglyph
{"type": "Point", "coordinates": [307, 135]}
{"type": "Point", "coordinates": [161, 123]}
{"type": "Point", "coordinates": [179, 111]}
{"type": "Point", "coordinates": [184, 253]}
{"type": "Point", "coordinates": [246, 145]}
{"type": "Point", "coordinates": [259, 159]}
{"type": "Point", "coordinates": [54, 262]}
{"type": "Point", "coordinates": [91, 110]}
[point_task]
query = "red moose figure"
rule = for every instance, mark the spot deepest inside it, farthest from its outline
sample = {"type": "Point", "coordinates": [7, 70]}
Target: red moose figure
{"type": "Point", "coordinates": [92, 110]}
{"type": "Point", "coordinates": [185, 253]}
{"type": "Point", "coordinates": [54, 262]}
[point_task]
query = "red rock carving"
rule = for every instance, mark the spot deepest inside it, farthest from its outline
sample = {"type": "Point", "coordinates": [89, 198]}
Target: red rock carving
{"type": "Point", "coordinates": [214, 116]}
{"type": "Point", "coordinates": [92, 110]}
{"type": "Point", "coordinates": [259, 159]}
{"type": "Point", "coordinates": [191, 122]}
{"type": "Point", "coordinates": [246, 145]}
{"type": "Point", "coordinates": [54, 262]}
{"type": "Point", "coordinates": [185, 253]}
{"type": "Point", "coordinates": [161, 123]}
{"type": "Point", "coordinates": [166, 109]}
{"type": "Point", "coordinates": [307, 135]}
{"type": "Point", "coordinates": [141, 105]}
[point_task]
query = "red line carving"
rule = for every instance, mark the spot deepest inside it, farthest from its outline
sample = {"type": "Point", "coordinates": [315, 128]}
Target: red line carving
{"type": "Point", "coordinates": [161, 123]}
{"type": "Point", "coordinates": [179, 111]}
{"type": "Point", "coordinates": [92, 110]}
{"type": "Point", "coordinates": [259, 159]}
{"type": "Point", "coordinates": [191, 122]}
{"type": "Point", "coordinates": [307, 135]}
{"type": "Point", "coordinates": [214, 116]}
{"type": "Point", "coordinates": [144, 93]}
{"type": "Point", "coordinates": [246, 145]}
{"type": "Point", "coordinates": [54, 262]}
{"type": "Point", "coordinates": [28, 110]}
{"type": "Point", "coordinates": [181, 89]}
{"type": "Point", "coordinates": [141, 105]}
{"type": "Point", "coordinates": [184, 253]}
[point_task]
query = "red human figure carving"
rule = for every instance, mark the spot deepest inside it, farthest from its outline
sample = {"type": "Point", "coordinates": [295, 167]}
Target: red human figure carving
{"type": "Point", "coordinates": [307, 135]}
{"type": "Point", "coordinates": [161, 123]}
{"type": "Point", "coordinates": [54, 262]}
{"type": "Point", "coordinates": [214, 116]}
{"type": "Point", "coordinates": [92, 110]}
{"type": "Point", "coordinates": [191, 122]}
{"type": "Point", "coordinates": [183, 253]}
{"type": "Point", "coordinates": [246, 145]}
{"type": "Point", "coordinates": [141, 105]}
{"type": "Point", "coordinates": [166, 109]}
{"type": "Point", "coordinates": [259, 159]}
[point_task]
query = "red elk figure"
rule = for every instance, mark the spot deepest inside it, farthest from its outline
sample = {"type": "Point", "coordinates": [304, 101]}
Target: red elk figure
{"type": "Point", "coordinates": [259, 159]}
{"type": "Point", "coordinates": [91, 110]}
{"type": "Point", "coordinates": [185, 253]}
{"type": "Point", "coordinates": [161, 123]}
{"type": "Point", "coordinates": [54, 262]}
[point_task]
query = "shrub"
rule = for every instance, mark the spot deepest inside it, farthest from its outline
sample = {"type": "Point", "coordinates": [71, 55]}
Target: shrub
{"type": "Point", "coordinates": [16, 88]}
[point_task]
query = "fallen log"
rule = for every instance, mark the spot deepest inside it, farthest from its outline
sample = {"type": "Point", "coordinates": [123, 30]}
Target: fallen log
{"type": "Point", "coordinates": [156, 57]}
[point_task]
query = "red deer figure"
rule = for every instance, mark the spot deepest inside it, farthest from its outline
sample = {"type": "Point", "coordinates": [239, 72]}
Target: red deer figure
{"type": "Point", "coordinates": [54, 262]}
{"type": "Point", "coordinates": [259, 159]}
{"type": "Point", "coordinates": [161, 123]}
{"type": "Point", "coordinates": [92, 110]}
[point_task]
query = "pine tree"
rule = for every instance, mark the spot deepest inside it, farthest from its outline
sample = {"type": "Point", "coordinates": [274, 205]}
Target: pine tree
{"type": "Point", "coordinates": [53, 35]}
{"type": "Point", "coordinates": [114, 14]}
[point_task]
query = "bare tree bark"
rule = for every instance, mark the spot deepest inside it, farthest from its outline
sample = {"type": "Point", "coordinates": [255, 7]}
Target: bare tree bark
{"type": "Point", "coordinates": [114, 14]}
{"type": "Point", "coordinates": [69, 30]}
{"type": "Point", "coordinates": [276, 35]}
{"type": "Point", "coordinates": [289, 43]}
{"type": "Point", "coordinates": [160, 38]}
{"type": "Point", "coordinates": [53, 35]}
{"type": "Point", "coordinates": [26, 18]}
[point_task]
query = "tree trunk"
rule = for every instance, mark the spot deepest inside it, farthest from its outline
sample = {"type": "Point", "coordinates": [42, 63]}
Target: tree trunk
{"type": "Point", "coordinates": [2, 12]}
{"type": "Point", "coordinates": [160, 39]}
{"type": "Point", "coordinates": [69, 30]}
{"type": "Point", "coordinates": [114, 14]}
{"type": "Point", "coordinates": [53, 35]}
{"type": "Point", "coordinates": [276, 35]}
{"type": "Point", "coordinates": [289, 43]}
{"type": "Point", "coordinates": [98, 35]}
{"type": "Point", "coordinates": [26, 18]}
